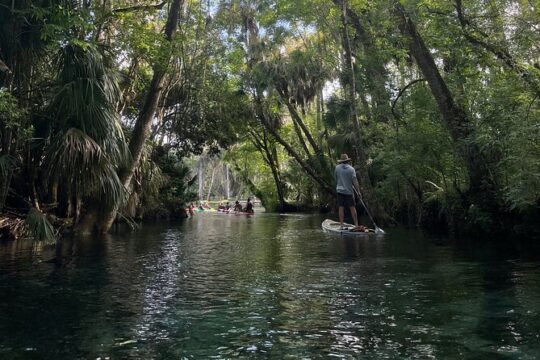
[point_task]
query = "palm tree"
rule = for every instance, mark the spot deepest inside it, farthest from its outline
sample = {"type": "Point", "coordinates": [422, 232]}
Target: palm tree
{"type": "Point", "coordinates": [87, 144]}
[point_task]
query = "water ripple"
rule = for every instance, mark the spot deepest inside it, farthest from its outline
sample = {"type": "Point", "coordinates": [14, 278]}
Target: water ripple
{"type": "Point", "coordinates": [220, 287]}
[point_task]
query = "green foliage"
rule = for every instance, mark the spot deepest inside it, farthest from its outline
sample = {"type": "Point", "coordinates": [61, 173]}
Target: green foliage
{"type": "Point", "coordinates": [413, 160]}
{"type": "Point", "coordinates": [10, 112]}
{"type": "Point", "coordinates": [166, 184]}
{"type": "Point", "coordinates": [248, 164]}
{"type": "Point", "coordinates": [39, 227]}
{"type": "Point", "coordinates": [74, 77]}
{"type": "Point", "coordinates": [88, 144]}
{"type": "Point", "coordinates": [6, 163]}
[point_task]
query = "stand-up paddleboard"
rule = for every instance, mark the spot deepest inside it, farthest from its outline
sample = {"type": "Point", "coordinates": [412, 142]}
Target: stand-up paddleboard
{"type": "Point", "coordinates": [335, 227]}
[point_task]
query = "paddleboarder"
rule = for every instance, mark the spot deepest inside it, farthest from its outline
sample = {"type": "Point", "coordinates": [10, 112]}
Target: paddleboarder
{"type": "Point", "coordinates": [346, 183]}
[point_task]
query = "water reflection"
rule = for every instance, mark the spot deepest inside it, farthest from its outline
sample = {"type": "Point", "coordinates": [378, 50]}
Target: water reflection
{"type": "Point", "coordinates": [267, 286]}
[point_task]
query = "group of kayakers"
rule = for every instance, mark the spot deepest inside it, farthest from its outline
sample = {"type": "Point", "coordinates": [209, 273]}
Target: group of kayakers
{"type": "Point", "coordinates": [237, 207]}
{"type": "Point", "coordinates": [202, 206]}
{"type": "Point", "coordinates": [222, 207]}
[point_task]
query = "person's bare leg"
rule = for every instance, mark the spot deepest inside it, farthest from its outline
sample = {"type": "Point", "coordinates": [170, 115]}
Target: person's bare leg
{"type": "Point", "coordinates": [341, 213]}
{"type": "Point", "coordinates": [354, 215]}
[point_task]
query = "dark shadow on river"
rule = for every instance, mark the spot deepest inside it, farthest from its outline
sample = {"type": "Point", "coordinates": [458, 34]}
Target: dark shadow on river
{"type": "Point", "coordinates": [267, 286]}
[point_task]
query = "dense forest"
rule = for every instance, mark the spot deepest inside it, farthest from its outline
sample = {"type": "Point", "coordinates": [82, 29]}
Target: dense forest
{"type": "Point", "coordinates": [115, 109]}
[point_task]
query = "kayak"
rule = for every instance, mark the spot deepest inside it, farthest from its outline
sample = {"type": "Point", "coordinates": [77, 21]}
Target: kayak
{"type": "Point", "coordinates": [231, 212]}
{"type": "Point", "coordinates": [205, 210]}
{"type": "Point", "coordinates": [335, 227]}
{"type": "Point", "coordinates": [244, 213]}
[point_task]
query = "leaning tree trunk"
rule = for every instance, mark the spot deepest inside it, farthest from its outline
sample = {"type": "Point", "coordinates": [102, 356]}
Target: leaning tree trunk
{"type": "Point", "coordinates": [297, 120]}
{"type": "Point", "coordinates": [142, 126]}
{"type": "Point", "coordinates": [455, 118]}
{"type": "Point", "coordinates": [269, 155]}
{"type": "Point", "coordinates": [290, 150]}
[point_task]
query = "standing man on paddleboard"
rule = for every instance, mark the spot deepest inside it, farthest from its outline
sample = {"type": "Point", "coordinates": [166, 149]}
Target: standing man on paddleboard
{"type": "Point", "coordinates": [346, 184]}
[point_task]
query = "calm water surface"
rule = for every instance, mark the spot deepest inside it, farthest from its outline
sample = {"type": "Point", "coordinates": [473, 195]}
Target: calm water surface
{"type": "Point", "coordinates": [223, 286]}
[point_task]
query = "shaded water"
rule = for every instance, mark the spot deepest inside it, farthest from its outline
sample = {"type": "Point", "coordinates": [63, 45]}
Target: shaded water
{"type": "Point", "coordinates": [269, 286]}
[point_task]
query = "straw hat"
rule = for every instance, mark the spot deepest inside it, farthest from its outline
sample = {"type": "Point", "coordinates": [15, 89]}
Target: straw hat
{"type": "Point", "coordinates": [344, 158]}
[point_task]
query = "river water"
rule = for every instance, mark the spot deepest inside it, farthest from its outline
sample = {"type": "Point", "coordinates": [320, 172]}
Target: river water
{"type": "Point", "coordinates": [267, 287]}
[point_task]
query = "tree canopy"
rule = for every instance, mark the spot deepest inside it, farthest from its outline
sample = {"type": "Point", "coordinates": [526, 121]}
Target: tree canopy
{"type": "Point", "coordinates": [103, 105]}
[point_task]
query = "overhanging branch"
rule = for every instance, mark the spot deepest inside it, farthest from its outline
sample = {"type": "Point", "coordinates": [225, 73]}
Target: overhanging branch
{"type": "Point", "coordinates": [400, 93]}
{"type": "Point", "coordinates": [140, 8]}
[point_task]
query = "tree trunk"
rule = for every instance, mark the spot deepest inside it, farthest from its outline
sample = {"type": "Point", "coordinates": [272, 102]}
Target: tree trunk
{"type": "Point", "coordinates": [279, 187]}
{"type": "Point", "coordinates": [211, 184]}
{"type": "Point", "coordinates": [297, 120]}
{"type": "Point", "coordinates": [200, 177]}
{"type": "Point", "coordinates": [361, 157]}
{"type": "Point", "coordinates": [262, 143]}
{"type": "Point", "coordinates": [142, 126]}
{"type": "Point", "coordinates": [88, 221]}
{"type": "Point", "coordinates": [351, 84]}
{"type": "Point", "coordinates": [308, 169]}
{"type": "Point", "coordinates": [227, 183]}
{"type": "Point", "coordinates": [376, 74]}
{"type": "Point", "coordinates": [318, 123]}
{"type": "Point", "coordinates": [53, 192]}
{"type": "Point", "coordinates": [455, 118]}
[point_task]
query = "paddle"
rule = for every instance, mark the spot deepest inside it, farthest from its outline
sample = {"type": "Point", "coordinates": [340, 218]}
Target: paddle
{"type": "Point", "coordinates": [378, 230]}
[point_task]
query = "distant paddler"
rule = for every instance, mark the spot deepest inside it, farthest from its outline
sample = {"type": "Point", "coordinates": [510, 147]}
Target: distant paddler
{"type": "Point", "coordinates": [191, 209]}
{"type": "Point", "coordinates": [224, 208]}
{"type": "Point", "coordinates": [237, 206]}
{"type": "Point", "coordinates": [249, 207]}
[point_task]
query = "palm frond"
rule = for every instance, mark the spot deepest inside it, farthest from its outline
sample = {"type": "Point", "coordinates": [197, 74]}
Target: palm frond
{"type": "Point", "coordinates": [107, 187]}
{"type": "Point", "coordinates": [87, 92]}
{"type": "Point", "coordinates": [39, 227]}
{"type": "Point", "coordinates": [78, 160]}
{"type": "Point", "coordinates": [90, 144]}
{"type": "Point", "coordinates": [74, 153]}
